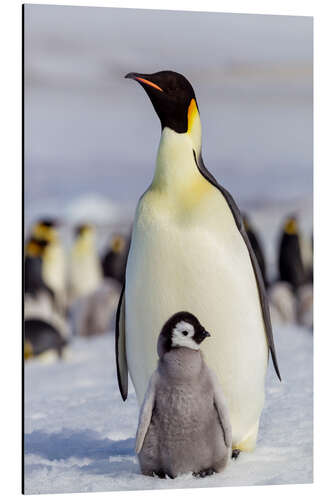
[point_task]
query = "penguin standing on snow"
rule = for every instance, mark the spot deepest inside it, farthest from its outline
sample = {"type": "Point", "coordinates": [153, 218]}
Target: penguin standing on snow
{"type": "Point", "coordinates": [291, 267]}
{"type": "Point", "coordinates": [189, 251]}
{"type": "Point", "coordinates": [42, 338]}
{"type": "Point", "coordinates": [85, 267]}
{"type": "Point", "coordinates": [34, 283]}
{"type": "Point", "coordinates": [54, 260]}
{"type": "Point", "coordinates": [114, 260]}
{"type": "Point", "coordinates": [184, 424]}
{"type": "Point", "coordinates": [257, 247]}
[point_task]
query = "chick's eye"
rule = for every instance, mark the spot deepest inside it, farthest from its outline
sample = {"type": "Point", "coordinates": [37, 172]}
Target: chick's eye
{"type": "Point", "coordinates": [185, 332]}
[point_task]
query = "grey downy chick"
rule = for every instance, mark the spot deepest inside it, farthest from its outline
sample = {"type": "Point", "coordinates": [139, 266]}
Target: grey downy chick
{"type": "Point", "coordinates": [184, 423]}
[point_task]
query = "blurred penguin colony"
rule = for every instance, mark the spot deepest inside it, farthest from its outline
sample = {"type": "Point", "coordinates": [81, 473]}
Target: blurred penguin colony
{"type": "Point", "coordinates": [74, 291]}
{"type": "Point", "coordinates": [69, 291]}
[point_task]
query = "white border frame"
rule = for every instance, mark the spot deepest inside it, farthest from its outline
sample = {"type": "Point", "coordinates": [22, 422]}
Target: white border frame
{"type": "Point", "coordinates": [10, 199]}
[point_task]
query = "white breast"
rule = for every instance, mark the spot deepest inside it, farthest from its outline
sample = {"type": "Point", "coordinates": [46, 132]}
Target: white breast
{"type": "Point", "coordinates": [189, 255]}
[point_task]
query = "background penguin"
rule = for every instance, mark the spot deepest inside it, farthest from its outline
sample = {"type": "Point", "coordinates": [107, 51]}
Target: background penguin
{"type": "Point", "coordinates": [256, 245]}
{"type": "Point", "coordinates": [34, 284]}
{"type": "Point", "coordinates": [114, 260]}
{"type": "Point", "coordinates": [306, 246]}
{"type": "Point", "coordinates": [85, 268]}
{"type": "Point", "coordinates": [93, 314]}
{"type": "Point", "coordinates": [184, 424]}
{"type": "Point", "coordinates": [283, 303]}
{"type": "Point", "coordinates": [54, 260]}
{"type": "Point", "coordinates": [44, 325]}
{"type": "Point", "coordinates": [189, 251]}
{"type": "Point", "coordinates": [291, 267]}
{"type": "Point", "coordinates": [41, 338]}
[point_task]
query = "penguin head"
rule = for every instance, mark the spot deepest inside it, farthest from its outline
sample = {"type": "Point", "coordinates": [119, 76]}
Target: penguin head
{"type": "Point", "coordinates": [83, 230]}
{"type": "Point", "coordinates": [46, 229]}
{"type": "Point", "coordinates": [183, 329]}
{"type": "Point", "coordinates": [173, 98]}
{"type": "Point", "coordinates": [291, 226]}
{"type": "Point", "coordinates": [36, 247]}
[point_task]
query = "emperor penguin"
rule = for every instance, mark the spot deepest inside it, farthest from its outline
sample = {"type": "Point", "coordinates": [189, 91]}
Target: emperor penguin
{"type": "Point", "coordinates": [291, 267]}
{"type": "Point", "coordinates": [85, 268]}
{"type": "Point", "coordinates": [114, 259]}
{"type": "Point", "coordinates": [54, 260]}
{"type": "Point", "coordinates": [189, 251]}
{"type": "Point", "coordinates": [184, 423]}
{"type": "Point", "coordinates": [34, 283]}
{"type": "Point", "coordinates": [41, 338]}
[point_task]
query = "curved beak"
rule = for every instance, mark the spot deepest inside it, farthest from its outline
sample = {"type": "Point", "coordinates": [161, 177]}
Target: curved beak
{"type": "Point", "coordinates": [143, 80]}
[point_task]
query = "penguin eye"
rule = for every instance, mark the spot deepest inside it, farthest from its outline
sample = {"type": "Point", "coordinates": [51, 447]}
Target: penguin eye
{"type": "Point", "coordinates": [184, 332]}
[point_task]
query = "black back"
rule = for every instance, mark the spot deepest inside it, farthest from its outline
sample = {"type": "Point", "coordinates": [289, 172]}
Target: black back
{"type": "Point", "coordinates": [291, 267]}
{"type": "Point", "coordinates": [256, 269]}
{"type": "Point", "coordinates": [43, 336]}
{"type": "Point", "coordinates": [33, 279]}
{"type": "Point", "coordinates": [257, 248]}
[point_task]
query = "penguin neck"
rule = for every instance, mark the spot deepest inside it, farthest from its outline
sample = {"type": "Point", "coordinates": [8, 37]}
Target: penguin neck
{"type": "Point", "coordinates": [85, 245]}
{"type": "Point", "coordinates": [182, 363]}
{"type": "Point", "coordinates": [176, 170]}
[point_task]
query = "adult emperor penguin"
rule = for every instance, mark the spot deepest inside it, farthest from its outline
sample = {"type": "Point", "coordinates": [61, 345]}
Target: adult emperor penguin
{"type": "Point", "coordinates": [85, 269]}
{"type": "Point", "coordinates": [256, 245]}
{"type": "Point", "coordinates": [54, 260]}
{"type": "Point", "coordinates": [291, 268]}
{"type": "Point", "coordinates": [189, 251]}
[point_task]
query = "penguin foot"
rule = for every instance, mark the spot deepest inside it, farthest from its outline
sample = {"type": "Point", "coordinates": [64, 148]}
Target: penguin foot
{"type": "Point", "coordinates": [204, 473]}
{"type": "Point", "coordinates": [159, 474]}
{"type": "Point", "coordinates": [235, 453]}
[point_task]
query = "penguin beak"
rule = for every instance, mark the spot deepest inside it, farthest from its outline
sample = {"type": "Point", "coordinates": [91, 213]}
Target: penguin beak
{"type": "Point", "coordinates": [200, 337]}
{"type": "Point", "coordinates": [140, 78]}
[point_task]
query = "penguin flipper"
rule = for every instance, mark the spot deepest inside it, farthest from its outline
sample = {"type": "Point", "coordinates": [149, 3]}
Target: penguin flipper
{"type": "Point", "coordinates": [257, 272]}
{"type": "Point", "coordinates": [146, 412]}
{"type": "Point", "coordinates": [122, 370]}
{"type": "Point", "coordinates": [220, 404]}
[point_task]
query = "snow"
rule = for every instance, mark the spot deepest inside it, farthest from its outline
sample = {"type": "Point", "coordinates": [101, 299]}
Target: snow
{"type": "Point", "coordinates": [79, 435]}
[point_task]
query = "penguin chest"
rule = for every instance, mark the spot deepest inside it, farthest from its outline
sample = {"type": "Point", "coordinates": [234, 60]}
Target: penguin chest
{"type": "Point", "coordinates": [196, 262]}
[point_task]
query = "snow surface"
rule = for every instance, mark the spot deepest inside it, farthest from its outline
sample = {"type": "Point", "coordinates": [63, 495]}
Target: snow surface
{"type": "Point", "coordinates": [79, 435]}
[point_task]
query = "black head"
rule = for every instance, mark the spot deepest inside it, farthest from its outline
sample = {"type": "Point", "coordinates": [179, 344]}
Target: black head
{"type": "Point", "coordinates": [171, 95]}
{"type": "Point", "coordinates": [48, 222]}
{"type": "Point", "coordinates": [81, 229]}
{"type": "Point", "coordinates": [183, 329]}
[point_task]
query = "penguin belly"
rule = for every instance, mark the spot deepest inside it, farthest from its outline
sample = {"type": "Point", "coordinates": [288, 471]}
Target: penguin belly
{"type": "Point", "coordinates": [196, 260]}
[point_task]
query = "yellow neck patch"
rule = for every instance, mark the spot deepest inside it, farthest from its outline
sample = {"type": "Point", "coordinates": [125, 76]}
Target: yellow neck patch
{"type": "Point", "coordinates": [33, 249]}
{"type": "Point", "coordinates": [191, 115]}
{"type": "Point", "coordinates": [291, 227]}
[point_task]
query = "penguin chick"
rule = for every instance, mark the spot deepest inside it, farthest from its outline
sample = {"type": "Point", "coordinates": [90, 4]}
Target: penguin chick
{"type": "Point", "coordinates": [40, 337]}
{"type": "Point", "coordinates": [184, 423]}
{"type": "Point", "coordinates": [283, 303]}
{"type": "Point", "coordinates": [93, 313]}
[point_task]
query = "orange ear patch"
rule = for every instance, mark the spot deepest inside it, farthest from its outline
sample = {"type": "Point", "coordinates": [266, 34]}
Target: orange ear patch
{"type": "Point", "coordinates": [191, 114]}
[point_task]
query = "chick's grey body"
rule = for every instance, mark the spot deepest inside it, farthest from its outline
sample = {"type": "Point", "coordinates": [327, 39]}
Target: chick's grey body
{"type": "Point", "coordinates": [185, 432]}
